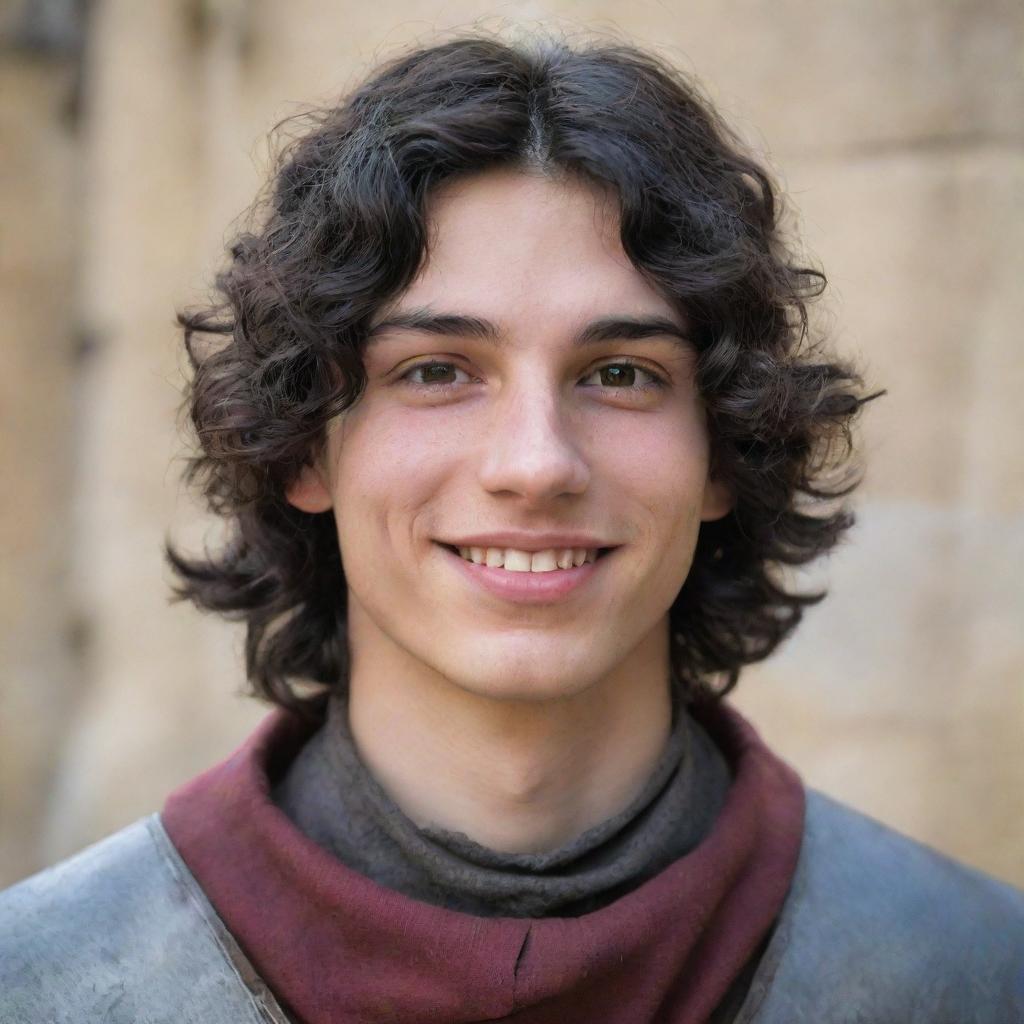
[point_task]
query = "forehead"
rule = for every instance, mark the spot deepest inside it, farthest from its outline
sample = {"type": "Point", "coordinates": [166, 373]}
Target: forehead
{"type": "Point", "coordinates": [521, 248]}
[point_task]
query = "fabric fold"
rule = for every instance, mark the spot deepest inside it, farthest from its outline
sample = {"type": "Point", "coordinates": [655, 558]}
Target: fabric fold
{"type": "Point", "coordinates": [333, 799]}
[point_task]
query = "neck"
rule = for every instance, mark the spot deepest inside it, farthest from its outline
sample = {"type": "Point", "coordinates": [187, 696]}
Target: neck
{"type": "Point", "coordinates": [516, 776]}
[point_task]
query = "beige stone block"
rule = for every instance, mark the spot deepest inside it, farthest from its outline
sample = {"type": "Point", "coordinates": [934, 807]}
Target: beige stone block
{"type": "Point", "coordinates": [37, 679]}
{"type": "Point", "coordinates": [925, 256]}
{"type": "Point", "coordinates": [856, 76]}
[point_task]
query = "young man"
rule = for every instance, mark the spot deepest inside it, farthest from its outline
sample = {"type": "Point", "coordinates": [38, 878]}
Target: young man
{"type": "Point", "coordinates": [511, 410]}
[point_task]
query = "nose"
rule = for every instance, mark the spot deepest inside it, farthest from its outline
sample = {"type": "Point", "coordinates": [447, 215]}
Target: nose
{"type": "Point", "coordinates": [530, 450]}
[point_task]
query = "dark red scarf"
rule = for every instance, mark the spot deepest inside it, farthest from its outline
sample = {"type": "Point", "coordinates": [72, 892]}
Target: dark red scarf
{"type": "Point", "coordinates": [335, 946]}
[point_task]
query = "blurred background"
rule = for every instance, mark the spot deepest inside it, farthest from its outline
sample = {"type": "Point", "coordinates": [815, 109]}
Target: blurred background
{"type": "Point", "coordinates": [133, 134]}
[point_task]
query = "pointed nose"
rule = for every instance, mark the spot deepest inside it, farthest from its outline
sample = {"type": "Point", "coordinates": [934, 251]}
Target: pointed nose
{"type": "Point", "coordinates": [531, 450]}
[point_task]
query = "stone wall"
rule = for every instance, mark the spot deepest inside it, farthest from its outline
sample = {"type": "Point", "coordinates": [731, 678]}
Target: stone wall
{"type": "Point", "coordinates": [897, 130]}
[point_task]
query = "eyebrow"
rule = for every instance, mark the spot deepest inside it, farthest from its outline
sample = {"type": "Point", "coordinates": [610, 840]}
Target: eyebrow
{"type": "Point", "coordinates": [609, 328]}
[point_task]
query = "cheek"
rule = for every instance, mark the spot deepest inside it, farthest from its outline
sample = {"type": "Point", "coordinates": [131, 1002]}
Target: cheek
{"type": "Point", "coordinates": [660, 461]}
{"type": "Point", "coordinates": [388, 466]}
{"type": "Point", "coordinates": [655, 472]}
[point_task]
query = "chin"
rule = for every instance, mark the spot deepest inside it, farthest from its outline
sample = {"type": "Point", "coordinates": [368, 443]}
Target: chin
{"type": "Point", "coordinates": [504, 676]}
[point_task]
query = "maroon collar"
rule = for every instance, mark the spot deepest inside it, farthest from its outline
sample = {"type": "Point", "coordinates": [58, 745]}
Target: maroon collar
{"type": "Point", "coordinates": [332, 944]}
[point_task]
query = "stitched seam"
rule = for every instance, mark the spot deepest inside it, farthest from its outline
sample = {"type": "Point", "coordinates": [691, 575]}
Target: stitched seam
{"type": "Point", "coordinates": [515, 968]}
{"type": "Point", "coordinates": [170, 857]}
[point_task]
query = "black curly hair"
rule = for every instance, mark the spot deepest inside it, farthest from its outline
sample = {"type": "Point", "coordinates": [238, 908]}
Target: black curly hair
{"type": "Point", "coordinates": [341, 231]}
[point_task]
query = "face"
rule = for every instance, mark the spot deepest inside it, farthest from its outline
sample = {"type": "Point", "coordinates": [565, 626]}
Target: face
{"type": "Point", "coordinates": [529, 383]}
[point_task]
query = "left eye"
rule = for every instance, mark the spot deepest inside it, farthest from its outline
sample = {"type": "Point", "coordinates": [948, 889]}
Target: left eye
{"type": "Point", "coordinates": [622, 376]}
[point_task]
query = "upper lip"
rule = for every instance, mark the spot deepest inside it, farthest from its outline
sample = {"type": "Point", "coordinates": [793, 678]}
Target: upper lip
{"type": "Point", "coordinates": [528, 541]}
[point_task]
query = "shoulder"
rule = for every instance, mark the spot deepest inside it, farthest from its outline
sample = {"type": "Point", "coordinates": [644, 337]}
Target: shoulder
{"type": "Point", "coordinates": [122, 932]}
{"type": "Point", "coordinates": [878, 927]}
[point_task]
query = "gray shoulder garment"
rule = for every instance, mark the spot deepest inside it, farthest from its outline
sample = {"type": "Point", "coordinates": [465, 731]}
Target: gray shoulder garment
{"type": "Point", "coordinates": [876, 928]}
{"type": "Point", "coordinates": [121, 933]}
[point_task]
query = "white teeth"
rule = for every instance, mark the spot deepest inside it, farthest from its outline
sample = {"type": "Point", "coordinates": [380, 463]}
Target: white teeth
{"type": "Point", "coordinates": [514, 560]}
{"type": "Point", "coordinates": [543, 561]}
{"type": "Point", "coordinates": [518, 561]}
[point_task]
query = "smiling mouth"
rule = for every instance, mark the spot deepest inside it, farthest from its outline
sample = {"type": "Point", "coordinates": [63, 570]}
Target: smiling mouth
{"type": "Point", "coordinates": [599, 553]}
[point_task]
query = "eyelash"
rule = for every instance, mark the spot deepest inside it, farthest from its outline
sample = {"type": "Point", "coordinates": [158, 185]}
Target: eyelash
{"type": "Point", "coordinates": [657, 382]}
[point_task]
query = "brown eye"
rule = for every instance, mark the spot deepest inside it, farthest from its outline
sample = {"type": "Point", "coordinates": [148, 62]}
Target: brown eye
{"type": "Point", "coordinates": [622, 376]}
{"type": "Point", "coordinates": [434, 372]}
{"type": "Point", "coordinates": [432, 376]}
{"type": "Point", "coordinates": [618, 375]}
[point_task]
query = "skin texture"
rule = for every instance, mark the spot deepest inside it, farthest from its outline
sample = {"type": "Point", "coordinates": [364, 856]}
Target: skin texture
{"type": "Point", "coordinates": [520, 726]}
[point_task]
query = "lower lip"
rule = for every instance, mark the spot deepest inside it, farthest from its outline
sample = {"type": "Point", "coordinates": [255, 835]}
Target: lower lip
{"type": "Point", "coordinates": [527, 587]}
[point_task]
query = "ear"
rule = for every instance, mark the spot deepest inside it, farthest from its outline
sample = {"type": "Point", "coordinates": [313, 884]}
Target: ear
{"type": "Point", "coordinates": [309, 492]}
{"type": "Point", "coordinates": [718, 500]}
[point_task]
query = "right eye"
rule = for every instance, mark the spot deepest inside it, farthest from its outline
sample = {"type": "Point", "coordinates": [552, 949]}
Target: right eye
{"type": "Point", "coordinates": [432, 370]}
